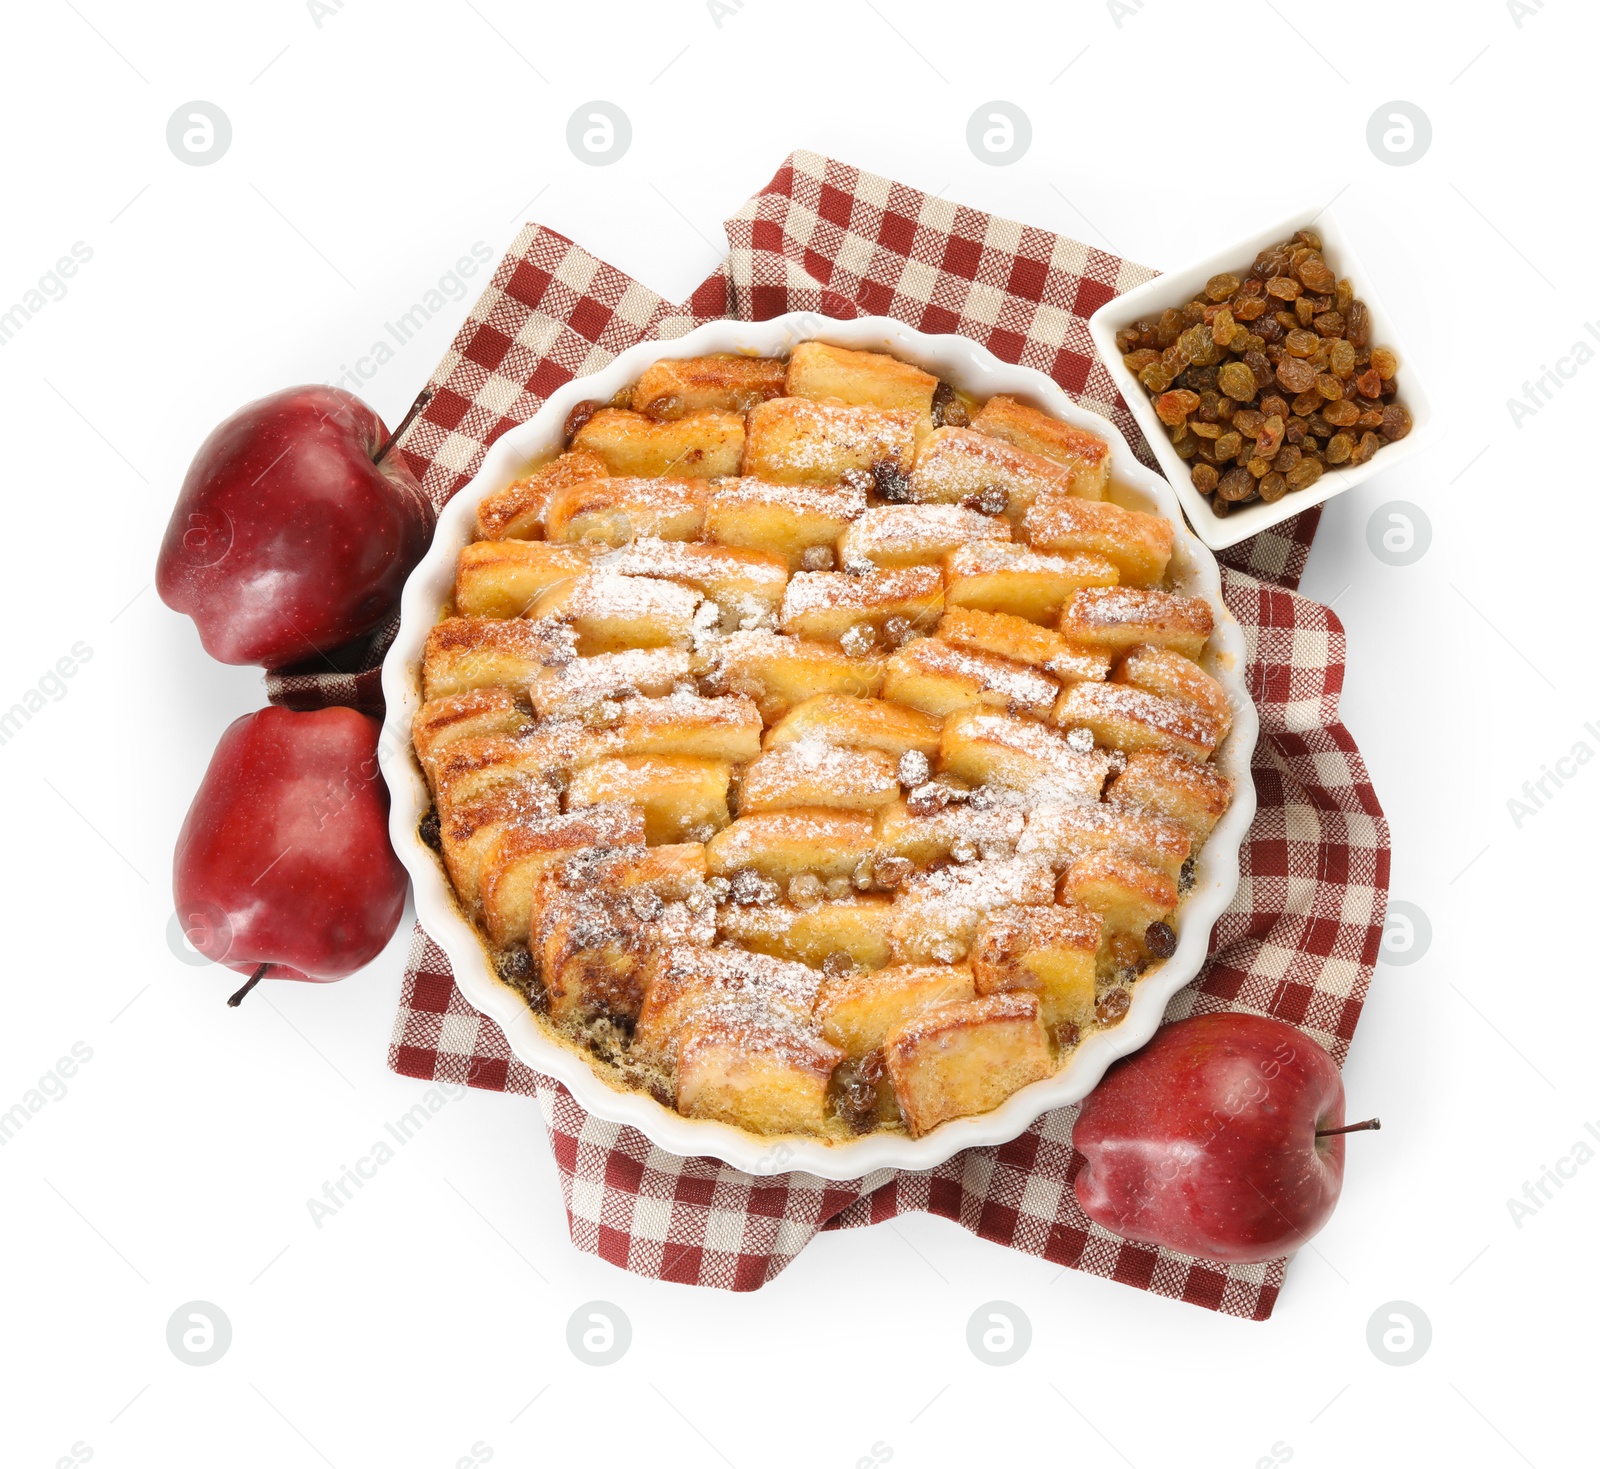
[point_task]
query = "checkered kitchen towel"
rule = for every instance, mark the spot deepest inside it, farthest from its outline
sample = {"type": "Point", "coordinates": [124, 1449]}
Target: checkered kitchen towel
{"type": "Point", "coordinates": [1299, 941]}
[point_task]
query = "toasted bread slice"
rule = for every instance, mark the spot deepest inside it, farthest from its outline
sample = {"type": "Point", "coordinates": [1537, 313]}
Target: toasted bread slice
{"type": "Point", "coordinates": [857, 1011]}
{"type": "Point", "coordinates": [986, 747]}
{"type": "Point", "coordinates": [517, 512]}
{"type": "Point", "coordinates": [1062, 833]}
{"type": "Point", "coordinates": [468, 829]}
{"type": "Point", "coordinates": [954, 464]}
{"type": "Point", "coordinates": [1114, 619]}
{"type": "Point", "coordinates": [1128, 895]}
{"type": "Point", "coordinates": [1008, 636]}
{"type": "Point", "coordinates": [781, 519]}
{"type": "Point", "coordinates": [737, 580]}
{"type": "Point", "coordinates": [765, 1076]}
{"type": "Point", "coordinates": [1127, 718]}
{"type": "Point", "coordinates": [465, 653]}
{"type": "Point", "coordinates": [990, 831]}
{"type": "Point", "coordinates": [470, 768]}
{"type": "Point", "coordinates": [857, 926]}
{"type": "Point", "coordinates": [1086, 455]}
{"type": "Point", "coordinates": [472, 715]}
{"type": "Point", "coordinates": [1193, 794]}
{"type": "Point", "coordinates": [827, 604]}
{"type": "Point", "coordinates": [696, 446]}
{"type": "Point", "coordinates": [916, 535]}
{"type": "Point", "coordinates": [726, 382]}
{"type": "Point", "coordinates": [1006, 577]}
{"type": "Point", "coordinates": [1172, 676]}
{"type": "Point", "coordinates": [862, 380]}
{"type": "Point", "coordinates": [780, 672]}
{"type": "Point", "coordinates": [685, 724]}
{"type": "Point", "coordinates": [797, 441]}
{"type": "Point", "coordinates": [682, 980]}
{"type": "Point", "coordinates": [622, 508]}
{"type": "Point", "coordinates": [679, 797]}
{"type": "Point", "coordinates": [1049, 951]}
{"type": "Point", "coordinates": [783, 844]}
{"type": "Point", "coordinates": [1138, 545]}
{"type": "Point", "coordinates": [584, 682]}
{"type": "Point", "coordinates": [936, 914]}
{"type": "Point", "coordinates": [514, 859]}
{"type": "Point", "coordinates": [968, 1057]}
{"type": "Point", "coordinates": [507, 578]}
{"type": "Point", "coordinates": [857, 724]}
{"type": "Point", "coordinates": [939, 678]}
{"type": "Point", "coordinates": [811, 773]}
{"type": "Point", "coordinates": [608, 612]}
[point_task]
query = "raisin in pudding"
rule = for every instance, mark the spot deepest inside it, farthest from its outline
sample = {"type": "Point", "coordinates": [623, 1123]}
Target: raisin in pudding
{"type": "Point", "coordinates": [818, 748]}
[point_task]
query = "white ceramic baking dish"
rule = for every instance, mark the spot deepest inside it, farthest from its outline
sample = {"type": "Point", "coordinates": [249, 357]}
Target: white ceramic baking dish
{"type": "Point", "coordinates": [971, 367]}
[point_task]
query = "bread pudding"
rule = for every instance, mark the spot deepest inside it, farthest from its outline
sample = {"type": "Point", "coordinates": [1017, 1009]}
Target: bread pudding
{"type": "Point", "coordinates": [817, 748]}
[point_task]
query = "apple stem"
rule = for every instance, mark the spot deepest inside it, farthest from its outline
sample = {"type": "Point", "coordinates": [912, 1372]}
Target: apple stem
{"type": "Point", "coordinates": [249, 984]}
{"type": "Point", "coordinates": [1370, 1125]}
{"type": "Point", "coordinates": [419, 403]}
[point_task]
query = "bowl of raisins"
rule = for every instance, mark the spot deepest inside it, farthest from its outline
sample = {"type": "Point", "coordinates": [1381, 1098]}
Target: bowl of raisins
{"type": "Point", "coordinates": [1267, 378]}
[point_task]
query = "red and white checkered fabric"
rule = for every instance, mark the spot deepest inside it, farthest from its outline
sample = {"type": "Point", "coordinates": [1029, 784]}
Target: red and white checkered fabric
{"type": "Point", "coordinates": [1300, 940]}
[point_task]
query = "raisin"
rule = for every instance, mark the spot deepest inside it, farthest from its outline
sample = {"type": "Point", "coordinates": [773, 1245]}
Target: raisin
{"type": "Point", "coordinates": [1369, 445]}
{"type": "Point", "coordinates": [1204, 429]}
{"type": "Point", "coordinates": [1369, 384]}
{"type": "Point", "coordinates": [1340, 447]}
{"type": "Point", "coordinates": [1113, 1007]}
{"type": "Point", "coordinates": [1305, 474]}
{"type": "Point", "coordinates": [580, 415]}
{"type": "Point", "coordinates": [1273, 404]}
{"type": "Point", "coordinates": [1200, 379]}
{"type": "Point", "coordinates": [1269, 330]}
{"type": "Point", "coordinates": [1370, 418]}
{"type": "Point", "coordinates": [1220, 287]}
{"type": "Point", "coordinates": [1172, 408]}
{"type": "Point", "coordinates": [838, 962]}
{"type": "Point", "coordinates": [1064, 1034]}
{"type": "Point", "coordinates": [1315, 275]}
{"type": "Point", "coordinates": [1294, 430]}
{"type": "Point", "coordinates": [1305, 310]}
{"type": "Point", "coordinates": [1156, 376]}
{"type": "Point", "coordinates": [1136, 362]}
{"type": "Point", "coordinates": [993, 499]}
{"type": "Point", "coordinates": [428, 830]}
{"type": "Point", "coordinates": [1259, 365]}
{"type": "Point", "coordinates": [1168, 327]}
{"type": "Point", "coordinates": [1184, 443]}
{"type": "Point", "coordinates": [1224, 328]}
{"type": "Point", "coordinates": [1197, 345]}
{"type": "Point", "coordinates": [1396, 423]}
{"type": "Point", "coordinates": [1343, 294]}
{"type": "Point", "coordinates": [950, 412]}
{"type": "Point", "coordinates": [1127, 340]}
{"type": "Point", "coordinates": [1248, 421]}
{"type": "Point", "coordinates": [1161, 941]}
{"type": "Point", "coordinates": [1220, 507]}
{"type": "Point", "coordinates": [1296, 375]}
{"type": "Point", "coordinates": [1236, 484]}
{"type": "Point", "coordinates": [1301, 343]}
{"type": "Point", "coordinates": [1329, 386]}
{"type": "Point", "coordinates": [1283, 288]}
{"type": "Point", "coordinates": [1286, 458]}
{"type": "Point", "coordinates": [1329, 323]}
{"type": "Point", "coordinates": [1286, 320]}
{"type": "Point", "coordinates": [1384, 362]}
{"type": "Point", "coordinates": [1237, 380]}
{"type": "Point", "coordinates": [1229, 444]}
{"type": "Point", "coordinates": [1357, 323]}
{"type": "Point", "coordinates": [1258, 466]}
{"type": "Point", "coordinates": [1341, 358]}
{"type": "Point", "coordinates": [1270, 436]}
{"type": "Point", "coordinates": [1272, 487]}
{"type": "Point", "coordinates": [1249, 308]}
{"type": "Point", "coordinates": [1318, 426]}
{"type": "Point", "coordinates": [1204, 478]}
{"type": "Point", "coordinates": [1341, 414]}
{"type": "Point", "coordinates": [892, 871]}
{"type": "Point", "coordinates": [891, 481]}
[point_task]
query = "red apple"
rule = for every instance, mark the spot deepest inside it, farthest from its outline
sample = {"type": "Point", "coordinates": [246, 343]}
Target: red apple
{"type": "Point", "coordinates": [288, 539]}
{"type": "Point", "coordinates": [283, 864]}
{"type": "Point", "coordinates": [1213, 1140]}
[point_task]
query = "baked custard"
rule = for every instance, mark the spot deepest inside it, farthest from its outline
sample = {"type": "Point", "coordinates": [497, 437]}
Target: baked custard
{"type": "Point", "coordinates": [818, 748]}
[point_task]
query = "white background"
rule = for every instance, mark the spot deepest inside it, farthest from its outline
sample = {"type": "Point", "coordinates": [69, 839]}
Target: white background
{"type": "Point", "coordinates": [368, 154]}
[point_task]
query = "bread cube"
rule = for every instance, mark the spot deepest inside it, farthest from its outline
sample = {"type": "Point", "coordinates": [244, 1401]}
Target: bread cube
{"type": "Point", "coordinates": [916, 535]}
{"type": "Point", "coordinates": [507, 578]}
{"type": "Point", "coordinates": [1172, 676]}
{"type": "Point", "coordinates": [1114, 619]}
{"type": "Point", "coordinates": [1128, 895]}
{"type": "Point", "coordinates": [1047, 951]}
{"type": "Point", "coordinates": [861, 379]}
{"type": "Point", "coordinates": [811, 773]}
{"type": "Point", "coordinates": [470, 768]}
{"type": "Point", "coordinates": [472, 715]}
{"type": "Point", "coordinates": [955, 463]}
{"type": "Point", "coordinates": [1188, 792]}
{"type": "Point", "coordinates": [685, 724]}
{"type": "Point", "coordinates": [764, 1076]}
{"type": "Point", "coordinates": [797, 441]}
{"type": "Point", "coordinates": [936, 914]}
{"type": "Point", "coordinates": [938, 678]}
{"type": "Point", "coordinates": [858, 724]}
{"type": "Point", "coordinates": [513, 860]}
{"type": "Point", "coordinates": [1137, 544]}
{"type": "Point", "coordinates": [739, 581]}
{"type": "Point", "coordinates": [465, 653]}
{"type": "Point", "coordinates": [857, 1011]}
{"type": "Point", "coordinates": [696, 446]}
{"type": "Point", "coordinates": [780, 672]}
{"type": "Point", "coordinates": [676, 795]}
{"type": "Point", "coordinates": [681, 980]}
{"type": "Point", "coordinates": [992, 830]}
{"type": "Point", "coordinates": [827, 604]}
{"type": "Point", "coordinates": [985, 747]}
{"type": "Point", "coordinates": [964, 1058]}
{"type": "Point", "coordinates": [783, 844]}
{"type": "Point", "coordinates": [468, 829]}
{"type": "Point", "coordinates": [608, 612]}
{"type": "Point", "coordinates": [1126, 718]}
{"type": "Point", "coordinates": [857, 926]}
{"type": "Point", "coordinates": [584, 682]}
{"type": "Point", "coordinates": [622, 508]}
{"type": "Point", "coordinates": [1009, 578]}
{"type": "Point", "coordinates": [781, 520]}
{"type": "Point", "coordinates": [1062, 833]}
{"type": "Point", "coordinates": [517, 512]}
{"type": "Point", "coordinates": [1085, 454]}
{"type": "Point", "coordinates": [726, 381]}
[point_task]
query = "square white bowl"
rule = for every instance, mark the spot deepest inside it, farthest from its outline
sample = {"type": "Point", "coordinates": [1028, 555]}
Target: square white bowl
{"type": "Point", "coordinates": [1179, 288]}
{"type": "Point", "coordinates": [960, 361]}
